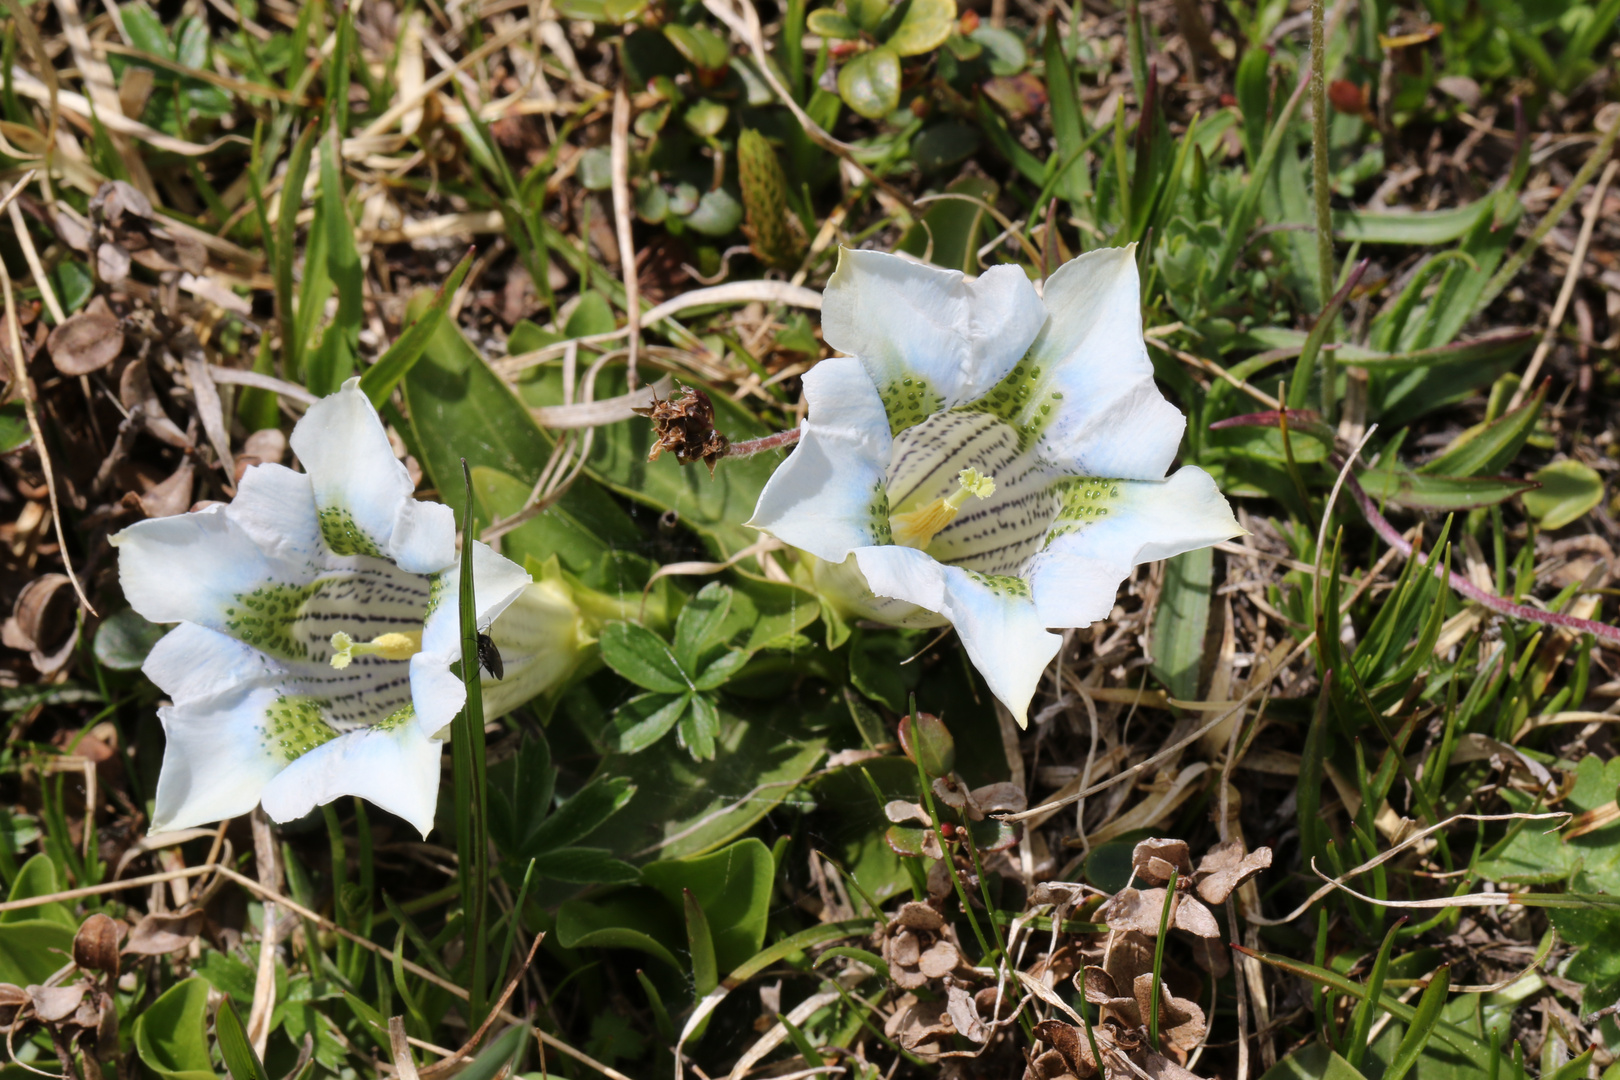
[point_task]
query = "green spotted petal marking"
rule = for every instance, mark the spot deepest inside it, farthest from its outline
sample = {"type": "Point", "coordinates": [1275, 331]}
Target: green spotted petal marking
{"type": "Point", "coordinates": [908, 401]}
{"type": "Point", "coordinates": [343, 535]}
{"type": "Point", "coordinates": [1023, 400]}
{"type": "Point", "coordinates": [1084, 500]}
{"type": "Point", "coordinates": [264, 619]}
{"type": "Point", "coordinates": [293, 726]}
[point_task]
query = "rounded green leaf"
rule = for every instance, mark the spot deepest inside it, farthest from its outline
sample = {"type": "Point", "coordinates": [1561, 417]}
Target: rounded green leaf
{"type": "Point", "coordinates": [701, 47]}
{"type": "Point", "coordinates": [718, 212]}
{"type": "Point", "coordinates": [945, 144]}
{"type": "Point", "coordinates": [705, 117]}
{"type": "Point", "coordinates": [171, 1035]}
{"type": "Point", "coordinates": [123, 641]}
{"type": "Point", "coordinates": [1569, 490]}
{"type": "Point", "coordinates": [1006, 49]}
{"type": "Point", "coordinates": [926, 26]}
{"type": "Point", "coordinates": [829, 23]}
{"type": "Point", "coordinates": [867, 14]}
{"type": "Point", "coordinates": [870, 83]}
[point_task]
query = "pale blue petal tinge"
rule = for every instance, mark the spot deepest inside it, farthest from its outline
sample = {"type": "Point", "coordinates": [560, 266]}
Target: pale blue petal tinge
{"type": "Point", "coordinates": [950, 381]}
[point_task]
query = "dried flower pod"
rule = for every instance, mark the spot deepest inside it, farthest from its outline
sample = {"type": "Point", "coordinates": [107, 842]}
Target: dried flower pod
{"type": "Point", "coordinates": [95, 946]}
{"type": "Point", "coordinates": [685, 427]}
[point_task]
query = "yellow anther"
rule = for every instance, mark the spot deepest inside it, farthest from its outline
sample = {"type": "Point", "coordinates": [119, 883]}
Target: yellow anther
{"type": "Point", "coordinates": [396, 645]}
{"type": "Point", "coordinates": [917, 528]}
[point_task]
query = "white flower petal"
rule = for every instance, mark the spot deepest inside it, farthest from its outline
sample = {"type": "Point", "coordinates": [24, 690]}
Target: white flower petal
{"type": "Point", "coordinates": [396, 768]}
{"type": "Point", "coordinates": [995, 617]}
{"type": "Point", "coordinates": [192, 662]}
{"type": "Point", "coordinates": [842, 585]}
{"type": "Point", "coordinates": [952, 338]}
{"type": "Point", "coordinates": [497, 581]}
{"type": "Point", "coordinates": [1144, 521]}
{"type": "Point", "coordinates": [1110, 419]}
{"type": "Point", "coordinates": [437, 693]}
{"type": "Point", "coordinates": [193, 567]}
{"type": "Point", "coordinates": [276, 507]}
{"type": "Point", "coordinates": [826, 498]}
{"type": "Point", "coordinates": [363, 493]}
{"type": "Point", "coordinates": [217, 758]}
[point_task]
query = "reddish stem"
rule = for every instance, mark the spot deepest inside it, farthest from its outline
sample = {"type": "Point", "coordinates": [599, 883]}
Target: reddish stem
{"type": "Point", "coordinates": [1391, 536]}
{"type": "Point", "coordinates": [750, 447]}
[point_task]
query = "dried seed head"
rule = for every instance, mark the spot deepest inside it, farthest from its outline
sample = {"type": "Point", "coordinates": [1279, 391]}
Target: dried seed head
{"type": "Point", "coordinates": [685, 427]}
{"type": "Point", "coordinates": [95, 946]}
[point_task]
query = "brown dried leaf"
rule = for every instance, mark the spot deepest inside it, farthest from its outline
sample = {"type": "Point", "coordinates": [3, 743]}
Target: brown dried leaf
{"type": "Point", "coordinates": [950, 792]}
{"type": "Point", "coordinates": [1071, 1044]}
{"type": "Point", "coordinates": [1226, 867]}
{"type": "Point", "coordinates": [171, 496]}
{"type": "Point", "coordinates": [1181, 1022]}
{"type": "Point", "coordinates": [1134, 909]}
{"type": "Point", "coordinates": [162, 933]}
{"type": "Point", "coordinates": [53, 1004]}
{"type": "Point", "coordinates": [913, 1024]}
{"type": "Point", "coordinates": [88, 341]}
{"type": "Point", "coordinates": [1195, 918]}
{"type": "Point", "coordinates": [900, 812]}
{"type": "Point", "coordinates": [43, 622]}
{"type": "Point", "coordinates": [1153, 860]}
{"type": "Point", "coordinates": [268, 445]}
{"type": "Point", "coordinates": [939, 960]}
{"type": "Point", "coordinates": [904, 949]}
{"type": "Point", "coordinates": [965, 1015]}
{"type": "Point", "coordinates": [1002, 797]}
{"type": "Point", "coordinates": [919, 916]}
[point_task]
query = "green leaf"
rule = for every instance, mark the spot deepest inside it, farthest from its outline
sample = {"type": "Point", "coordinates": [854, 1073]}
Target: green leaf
{"type": "Point", "coordinates": [585, 866]}
{"type": "Point", "coordinates": [831, 23]}
{"type": "Point", "coordinates": [630, 919]}
{"type": "Point", "coordinates": [646, 718]}
{"type": "Point", "coordinates": [1569, 490]}
{"type": "Point", "coordinates": [718, 213]}
{"type": "Point", "coordinates": [1006, 49]}
{"type": "Point", "coordinates": [700, 945]}
{"type": "Point", "coordinates": [951, 230]}
{"type": "Point", "coordinates": [685, 807]}
{"type": "Point", "coordinates": [870, 82]}
{"type": "Point", "coordinates": [459, 408]}
{"type": "Point", "coordinates": [31, 949]}
{"type": "Point", "coordinates": [234, 1047]}
{"type": "Point", "coordinates": [1488, 448]}
{"type": "Point", "coordinates": [875, 667]}
{"type": "Point", "coordinates": [500, 1057]}
{"type": "Point", "coordinates": [598, 800]}
{"type": "Point", "coordinates": [718, 673]}
{"type": "Point", "coordinates": [520, 790]}
{"type": "Point", "coordinates": [705, 117]}
{"type": "Point", "coordinates": [1424, 228]}
{"type": "Point", "coordinates": [698, 727]}
{"type": "Point", "coordinates": [1421, 1027]}
{"type": "Point", "coordinates": [1313, 1062]}
{"type": "Point", "coordinates": [697, 628]}
{"type": "Point", "coordinates": [379, 380]}
{"type": "Point", "coordinates": [702, 47]}
{"type": "Point", "coordinates": [867, 14]}
{"type": "Point", "coordinates": [926, 25]}
{"type": "Point", "coordinates": [1419, 492]}
{"type": "Point", "coordinates": [643, 657]}
{"type": "Point", "coordinates": [171, 1037]}
{"type": "Point", "coordinates": [1180, 624]}
{"type": "Point", "coordinates": [38, 878]}
{"type": "Point", "coordinates": [124, 640]}
{"type": "Point", "coordinates": [14, 431]}
{"type": "Point", "coordinates": [334, 359]}
{"type": "Point", "coordinates": [733, 887]}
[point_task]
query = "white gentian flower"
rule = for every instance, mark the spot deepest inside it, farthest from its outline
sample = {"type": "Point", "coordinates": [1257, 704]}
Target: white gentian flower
{"type": "Point", "coordinates": [986, 459]}
{"type": "Point", "coordinates": [319, 619]}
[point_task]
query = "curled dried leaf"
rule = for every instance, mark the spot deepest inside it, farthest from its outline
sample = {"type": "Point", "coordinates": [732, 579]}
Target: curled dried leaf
{"type": "Point", "coordinates": [964, 1015]}
{"type": "Point", "coordinates": [900, 812]}
{"type": "Point", "coordinates": [1154, 859]}
{"type": "Point", "coordinates": [1181, 1022]}
{"type": "Point", "coordinates": [1226, 867]}
{"type": "Point", "coordinates": [1070, 1044]}
{"type": "Point", "coordinates": [53, 1004]}
{"type": "Point", "coordinates": [161, 933]}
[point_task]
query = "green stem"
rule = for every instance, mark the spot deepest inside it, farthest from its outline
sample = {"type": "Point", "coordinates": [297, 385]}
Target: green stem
{"type": "Point", "coordinates": [1319, 156]}
{"type": "Point", "coordinates": [472, 821]}
{"type": "Point", "coordinates": [1158, 958]}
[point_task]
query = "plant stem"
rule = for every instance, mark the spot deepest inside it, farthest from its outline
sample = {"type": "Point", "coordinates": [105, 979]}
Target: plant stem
{"type": "Point", "coordinates": [750, 447]}
{"type": "Point", "coordinates": [472, 822]}
{"type": "Point", "coordinates": [1158, 958]}
{"type": "Point", "coordinates": [1138, 54]}
{"type": "Point", "coordinates": [1319, 156]}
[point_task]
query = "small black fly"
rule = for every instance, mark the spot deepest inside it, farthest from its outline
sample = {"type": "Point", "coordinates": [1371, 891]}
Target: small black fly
{"type": "Point", "coordinates": [489, 657]}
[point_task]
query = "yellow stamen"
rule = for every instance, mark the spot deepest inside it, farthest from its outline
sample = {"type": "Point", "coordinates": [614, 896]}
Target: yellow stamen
{"type": "Point", "coordinates": [395, 645]}
{"type": "Point", "coordinates": [917, 528]}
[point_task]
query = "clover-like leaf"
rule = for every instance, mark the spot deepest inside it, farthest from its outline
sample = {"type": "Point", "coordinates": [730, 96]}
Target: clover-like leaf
{"type": "Point", "coordinates": [870, 83]}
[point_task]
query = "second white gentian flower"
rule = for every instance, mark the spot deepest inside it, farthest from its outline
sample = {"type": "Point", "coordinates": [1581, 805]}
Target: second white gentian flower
{"type": "Point", "coordinates": [983, 458]}
{"type": "Point", "coordinates": [318, 622]}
